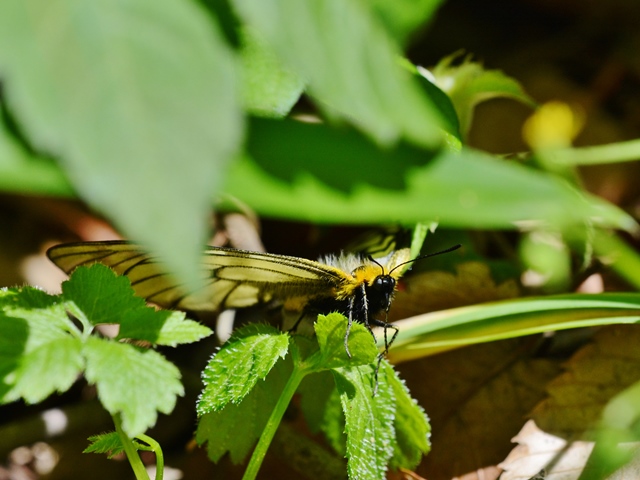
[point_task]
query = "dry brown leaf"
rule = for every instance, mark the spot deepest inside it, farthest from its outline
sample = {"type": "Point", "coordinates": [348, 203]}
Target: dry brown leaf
{"type": "Point", "coordinates": [542, 453]}
{"type": "Point", "coordinates": [438, 290]}
{"type": "Point", "coordinates": [476, 398]}
{"type": "Point", "coordinates": [598, 371]}
{"type": "Point", "coordinates": [488, 473]}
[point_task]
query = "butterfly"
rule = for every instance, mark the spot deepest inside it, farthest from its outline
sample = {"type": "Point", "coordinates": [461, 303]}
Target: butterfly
{"type": "Point", "coordinates": [359, 287]}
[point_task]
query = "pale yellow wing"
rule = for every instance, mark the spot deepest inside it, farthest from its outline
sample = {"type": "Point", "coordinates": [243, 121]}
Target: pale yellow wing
{"type": "Point", "coordinates": [232, 278]}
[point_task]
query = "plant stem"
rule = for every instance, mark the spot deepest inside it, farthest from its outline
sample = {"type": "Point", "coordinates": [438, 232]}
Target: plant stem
{"type": "Point", "coordinates": [131, 451]}
{"type": "Point", "coordinates": [157, 450]}
{"type": "Point", "coordinates": [274, 421]}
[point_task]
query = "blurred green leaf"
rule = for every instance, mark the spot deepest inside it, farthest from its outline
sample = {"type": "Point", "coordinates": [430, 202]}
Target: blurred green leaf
{"type": "Point", "coordinates": [269, 89]}
{"type": "Point", "coordinates": [23, 172]}
{"type": "Point", "coordinates": [470, 83]}
{"type": "Point", "coordinates": [545, 256]}
{"type": "Point", "coordinates": [403, 17]}
{"type": "Point", "coordinates": [138, 102]}
{"type": "Point", "coordinates": [299, 170]}
{"type": "Point", "coordinates": [350, 64]}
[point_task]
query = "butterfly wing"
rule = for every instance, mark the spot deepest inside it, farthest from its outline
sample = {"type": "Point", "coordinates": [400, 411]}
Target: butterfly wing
{"type": "Point", "coordinates": [232, 278]}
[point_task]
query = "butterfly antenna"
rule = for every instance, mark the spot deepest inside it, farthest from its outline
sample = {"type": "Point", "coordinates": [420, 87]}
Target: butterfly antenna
{"type": "Point", "coordinates": [374, 261]}
{"type": "Point", "coordinates": [420, 257]}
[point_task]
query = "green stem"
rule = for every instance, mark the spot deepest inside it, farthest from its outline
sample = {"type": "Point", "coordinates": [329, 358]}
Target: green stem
{"type": "Point", "coordinates": [274, 421]}
{"type": "Point", "coordinates": [130, 450]}
{"type": "Point", "coordinates": [157, 450]}
{"type": "Point", "coordinates": [599, 155]}
{"type": "Point", "coordinates": [622, 258]}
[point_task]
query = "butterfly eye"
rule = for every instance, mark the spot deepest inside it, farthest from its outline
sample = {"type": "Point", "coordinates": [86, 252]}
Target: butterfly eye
{"type": "Point", "coordinates": [384, 283]}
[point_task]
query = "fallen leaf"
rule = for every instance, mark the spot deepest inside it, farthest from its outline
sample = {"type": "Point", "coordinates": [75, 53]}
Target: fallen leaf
{"type": "Point", "coordinates": [544, 454]}
{"type": "Point", "coordinates": [594, 374]}
{"type": "Point", "coordinates": [476, 398]}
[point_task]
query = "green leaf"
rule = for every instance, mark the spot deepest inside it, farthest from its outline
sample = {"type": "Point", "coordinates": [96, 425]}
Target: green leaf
{"type": "Point", "coordinates": [350, 64]}
{"type": "Point", "coordinates": [50, 367]}
{"type": "Point", "coordinates": [14, 334]}
{"type": "Point", "coordinates": [428, 334]}
{"type": "Point", "coordinates": [137, 100]}
{"type": "Point", "coordinates": [162, 327]}
{"type": "Point", "coordinates": [327, 175]}
{"type": "Point", "coordinates": [402, 17]}
{"type": "Point", "coordinates": [330, 331]}
{"type": "Point", "coordinates": [315, 393]}
{"type": "Point", "coordinates": [333, 423]}
{"type": "Point", "coordinates": [98, 296]}
{"type": "Point", "coordinates": [46, 314]}
{"type": "Point", "coordinates": [248, 356]}
{"type": "Point", "coordinates": [24, 172]}
{"type": "Point", "coordinates": [469, 84]}
{"type": "Point", "coordinates": [411, 424]}
{"type": "Point", "coordinates": [269, 89]}
{"type": "Point", "coordinates": [101, 296]}
{"type": "Point", "coordinates": [40, 346]}
{"type": "Point", "coordinates": [135, 383]}
{"type": "Point", "coordinates": [441, 100]}
{"type": "Point", "coordinates": [369, 421]}
{"type": "Point", "coordinates": [237, 426]}
{"type": "Point", "coordinates": [108, 443]}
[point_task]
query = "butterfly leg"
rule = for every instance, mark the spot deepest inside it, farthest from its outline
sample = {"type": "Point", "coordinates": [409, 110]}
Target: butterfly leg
{"type": "Point", "coordinates": [295, 325]}
{"type": "Point", "coordinates": [387, 343]}
{"type": "Point", "coordinates": [349, 322]}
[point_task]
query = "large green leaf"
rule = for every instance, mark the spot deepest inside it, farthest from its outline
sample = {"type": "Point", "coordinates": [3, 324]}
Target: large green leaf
{"type": "Point", "coordinates": [402, 17]}
{"type": "Point", "coordinates": [350, 63]}
{"type": "Point", "coordinates": [137, 99]}
{"type": "Point", "coordinates": [320, 174]}
{"type": "Point", "coordinates": [23, 172]}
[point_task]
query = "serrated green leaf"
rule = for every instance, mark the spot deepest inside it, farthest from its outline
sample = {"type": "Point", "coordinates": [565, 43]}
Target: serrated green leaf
{"type": "Point", "coordinates": [353, 70]}
{"type": "Point", "coordinates": [133, 382]}
{"type": "Point", "coordinates": [330, 331]}
{"type": "Point", "coordinates": [237, 426]}
{"type": "Point", "coordinates": [411, 423]}
{"type": "Point", "coordinates": [39, 356]}
{"type": "Point", "coordinates": [138, 101]}
{"type": "Point", "coordinates": [248, 356]}
{"type": "Point", "coordinates": [162, 327]}
{"type": "Point", "coordinates": [368, 421]}
{"type": "Point", "coordinates": [46, 314]}
{"type": "Point", "coordinates": [101, 295]}
{"type": "Point", "coordinates": [50, 367]}
{"type": "Point", "coordinates": [269, 89]}
{"type": "Point", "coordinates": [108, 443]}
